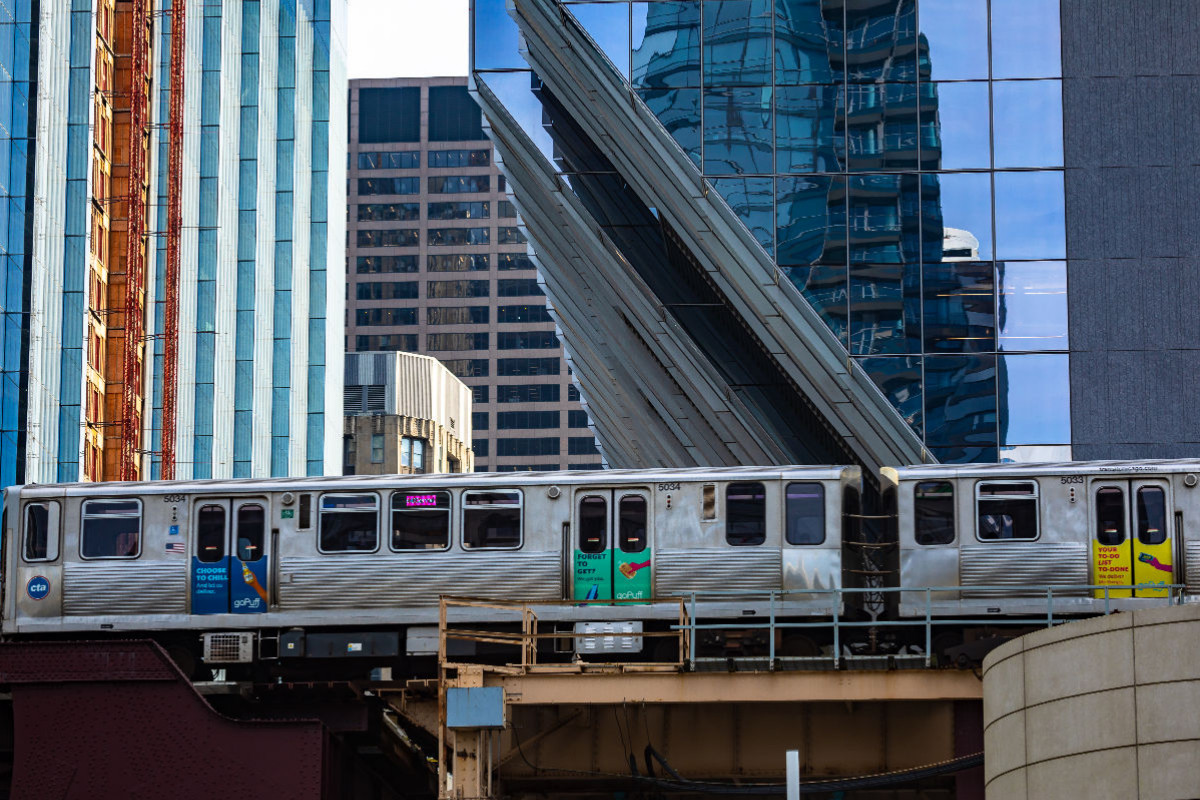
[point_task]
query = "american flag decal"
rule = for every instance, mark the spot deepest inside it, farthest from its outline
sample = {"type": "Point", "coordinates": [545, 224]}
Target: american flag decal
{"type": "Point", "coordinates": [176, 547]}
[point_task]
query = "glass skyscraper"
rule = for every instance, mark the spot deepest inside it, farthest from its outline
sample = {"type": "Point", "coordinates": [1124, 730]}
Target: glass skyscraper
{"type": "Point", "coordinates": [900, 163]}
{"type": "Point", "coordinates": [263, 195]}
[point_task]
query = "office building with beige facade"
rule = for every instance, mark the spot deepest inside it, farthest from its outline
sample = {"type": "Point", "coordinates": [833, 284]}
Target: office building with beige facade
{"type": "Point", "coordinates": [405, 414]}
{"type": "Point", "coordinates": [437, 263]}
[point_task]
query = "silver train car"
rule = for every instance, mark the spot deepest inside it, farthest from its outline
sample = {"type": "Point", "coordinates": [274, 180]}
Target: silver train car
{"type": "Point", "coordinates": [974, 530]}
{"type": "Point", "coordinates": [378, 551]}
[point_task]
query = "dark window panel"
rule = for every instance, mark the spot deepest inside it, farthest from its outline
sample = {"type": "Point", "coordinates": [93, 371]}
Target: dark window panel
{"type": "Point", "coordinates": [582, 446]}
{"type": "Point", "coordinates": [389, 115]}
{"type": "Point", "coordinates": [393, 290]}
{"type": "Point", "coordinates": [385, 316]}
{"type": "Point", "coordinates": [374, 186]}
{"type": "Point", "coordinates": [531, 446]}
{"type": "Point", "coordinates": [526, 340]}
{"type": "Point", "coordinates": [899, 378]}
{"type": "Point", "coordinates": [960, 405]}
{"type": "Point", "coordinates": [367, 265]}
{"type": "Point", "coordinates": [441, 289]}
{"type": "Point", "coordinates": [456, 315]}
{"type": "Point", "coordinates": [467, 367]}
{"type": "Point", "coordinates": [389, 212]}
{"type": "Point", "coordinates": [810, 42]}
{"type": "Point", "coordinates": [512, 314]}
{"type": "Point", "coordinates": [738, 136]}
{"type": "Point", "coordinates": [528, 393]}
{"type": "Point", "coordinates": [440, 159]}
{"type": "Point", "coordinates": [459, 210]}
{"type": "Point", "coordinates": [458, 262]}
{"type": "Point", "coordinates": [527, 366]}
{"type": "Point", "coordinates": [404, 342]}
{"type": "Point", "coordinates": [518, 287]}
{"type": "Point", "coordinates": [513, 261]}
{"type": "Point", "coordinates": [737, 42]}
{"type": "Point", "coordinates": [453, 115]}
{"type": "Point", "coordinates": [885, 309]}
{"type": "Point", "coordinates": [407, 237]}
{"type": "Point", "coordinates": [810, 128]}
{"type": "Point", "coordinates": [441, 237]}
{"type": "Point", "coordinates": [959, 307]}
{"type": "Point", "coordinates": [526, 420]}
{"type": "Point", "coordinates": [810, 220]}
{"type": "Point", "coordinates": [666, 44]}
{"type": "Point", "coordinates": [456, 341]}
{"type": "Point", "coordinates": [458, 184]}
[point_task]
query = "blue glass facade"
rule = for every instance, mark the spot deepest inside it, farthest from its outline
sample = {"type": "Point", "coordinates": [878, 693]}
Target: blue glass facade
{"type": "Point", "coordinates": [17, 125]}
{"type": "Point", "coordinates": [901, 162]}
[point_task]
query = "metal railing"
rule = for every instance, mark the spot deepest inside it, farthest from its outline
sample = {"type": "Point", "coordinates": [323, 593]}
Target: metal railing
{"type": "Point", "coordinates": [526, 640]}
{"type": "Point", "coordinates": [1172, 594]}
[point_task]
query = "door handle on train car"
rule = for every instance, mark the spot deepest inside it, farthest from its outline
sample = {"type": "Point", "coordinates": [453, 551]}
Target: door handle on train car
{"type": "Point", "coordinates": [273, 589]}
{"type": "Point", "coordinates": [566, 560]}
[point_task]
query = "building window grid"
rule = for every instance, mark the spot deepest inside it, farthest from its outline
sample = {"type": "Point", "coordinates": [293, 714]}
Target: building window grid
{"type": "Point", "coordinates": [991, 80]}
{"type": "Point", "coordinates": [505, 261]}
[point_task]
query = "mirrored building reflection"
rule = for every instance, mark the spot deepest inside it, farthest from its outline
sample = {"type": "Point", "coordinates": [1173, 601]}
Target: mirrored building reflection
{"type": "Point", "coordinates": [900, 163]}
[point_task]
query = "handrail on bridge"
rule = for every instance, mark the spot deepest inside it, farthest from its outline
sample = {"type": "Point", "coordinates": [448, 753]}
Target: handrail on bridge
{"type": "Point", "coordinates": [529, 636]}
{"type": "Point", "coordinates": [692, 605]}
{"type": "Point", "coordinates": [1173, 593]}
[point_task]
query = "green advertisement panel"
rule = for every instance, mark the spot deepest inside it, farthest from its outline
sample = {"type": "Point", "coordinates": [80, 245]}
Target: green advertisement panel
{"type": "Point", "coordinates": [631, 576]}
{"type": "Point", "coordinates": [593, 575]}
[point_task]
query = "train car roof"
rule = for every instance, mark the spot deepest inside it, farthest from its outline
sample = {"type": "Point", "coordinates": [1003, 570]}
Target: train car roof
{"type": "Point", "coordinates": [1054, 468]}
{"type": "Point", "coordinates": [437, 480]}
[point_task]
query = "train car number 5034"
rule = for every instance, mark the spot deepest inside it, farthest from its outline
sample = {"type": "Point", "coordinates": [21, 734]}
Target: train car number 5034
{"type": "Point", "coordinates": [668, 487]}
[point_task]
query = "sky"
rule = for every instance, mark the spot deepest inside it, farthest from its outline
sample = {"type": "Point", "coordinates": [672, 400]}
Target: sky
{"type": "Point", "coordinates": [407, 38]}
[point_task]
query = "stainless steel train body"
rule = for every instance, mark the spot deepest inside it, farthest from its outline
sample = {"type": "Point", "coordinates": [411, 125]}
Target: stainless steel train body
{"type": "Point", "coordinates": [366, 550]}
{"type": "Point", "coordinates": [1072, 524]}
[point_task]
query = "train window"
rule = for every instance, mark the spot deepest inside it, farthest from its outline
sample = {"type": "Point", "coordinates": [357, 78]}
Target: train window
{"type": "Point", "coordinates": [1110, 515]}
{"type": "Point", "coordinates": [251, 531]}
{"type": "Point", "coordinates": [111, 529]}
{"type": "Point", "coordinates": [305, 521]}
{"type": "Point", "coordinates": [420, 520]}
{"type": "Point", "coordinates": [210, 533]}
{"type": "Point", "coordinates": [492, 519]}
{"type": "Point", "coordinates": [1007, 511]}
{"type": "Point", "coordinates": [593, 524]}
{"type": "Point", "coordinates": [745, 514]}
{"type": "Point", "coordinates": [933, 512]}
{"type": "Point", "coordinates": [41, 534]}
{"type": "Point", "coordinates": [710, 501]}
{"type": "Point", "coordinates": [349, 523]}
{"type": "Point", "coordinates": [805, 513]}
{"type": "Point", "coordinates": [1151, 515]}
{"type": "Point", "coordinates": [632, 533]}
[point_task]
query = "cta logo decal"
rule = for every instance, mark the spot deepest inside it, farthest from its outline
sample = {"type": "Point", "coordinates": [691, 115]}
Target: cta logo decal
{"type": "Point", "coordinates": [38, 587]}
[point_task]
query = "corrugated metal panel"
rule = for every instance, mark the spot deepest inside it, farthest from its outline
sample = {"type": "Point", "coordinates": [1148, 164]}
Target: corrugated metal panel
{"type": "Point", "coordinates": [124, 587]}
{"type": "Point", "coordinates": [755, 569]}
{"type": "Point", "coordinates": [1191, 555]}
{"type": "Point", "coordinates": [385, 580]}
{"type": "Point", "coordinates": [416, 386]}
{"type": "Point", "coordinates": [1024, 563]}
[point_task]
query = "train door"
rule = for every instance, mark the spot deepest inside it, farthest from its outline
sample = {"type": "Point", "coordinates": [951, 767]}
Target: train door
{"type": "Point", "coordinates": [230, 562]}
{"type": "Point", "coordinates": [1131, 536]}
{"type": "Point", "coordinates": [613, 552]}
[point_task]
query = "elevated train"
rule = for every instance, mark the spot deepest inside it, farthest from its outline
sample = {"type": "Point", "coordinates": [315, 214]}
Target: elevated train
{"type": "Point", "coordinates": [354, 566]}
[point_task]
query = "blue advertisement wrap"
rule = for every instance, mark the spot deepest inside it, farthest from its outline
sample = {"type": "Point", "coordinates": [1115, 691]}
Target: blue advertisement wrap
{"type": "Point", "coordinates": [210, 586]}
{"type": "Point", "coordinates": [248, 587]}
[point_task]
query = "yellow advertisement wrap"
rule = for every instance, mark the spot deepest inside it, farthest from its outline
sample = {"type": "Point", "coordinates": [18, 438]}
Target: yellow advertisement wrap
{"type": "Point", "coordinates": [1152, 565]}
{"type": "Point", "coordinates": [1112, 565]}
